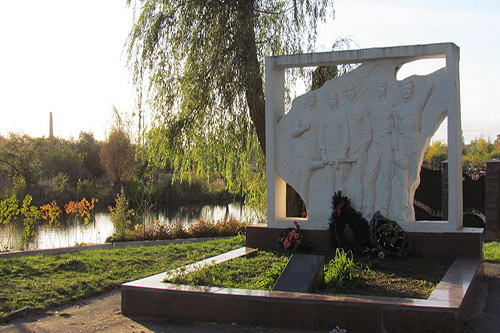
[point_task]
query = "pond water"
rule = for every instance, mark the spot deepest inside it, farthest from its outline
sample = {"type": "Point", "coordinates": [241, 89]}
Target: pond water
{"type": "Point", "coordinates": [71, 233]}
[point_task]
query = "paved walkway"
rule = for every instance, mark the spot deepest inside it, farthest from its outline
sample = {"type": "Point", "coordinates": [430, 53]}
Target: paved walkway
{"type": "Point", "coordinates": [486, 311]}
{"type": "Point", "coordinates": [103, 314]}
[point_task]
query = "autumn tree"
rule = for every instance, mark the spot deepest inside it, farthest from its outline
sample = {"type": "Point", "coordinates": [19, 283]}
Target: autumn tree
{"type": "Point", "coordinates": [476, 153]}
{"type": "Point", "coordinates": [118, 158]}
{"type": "Point", "coordinates": [435, 154]}
{"type": "Point", "coordinates": [198, 65]}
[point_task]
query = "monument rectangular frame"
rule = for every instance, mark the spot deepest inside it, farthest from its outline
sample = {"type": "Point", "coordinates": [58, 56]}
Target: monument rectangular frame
{"type": "Point", "coordinates": [275, 109]}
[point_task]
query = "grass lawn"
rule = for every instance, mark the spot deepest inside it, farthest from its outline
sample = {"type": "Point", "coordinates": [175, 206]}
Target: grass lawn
{"type": "Point", "coordinates": [259, 271]}
{"type": "Point", "coordinates": [491, 252]}
{"type": "Point", "coordinates": [38, 282]}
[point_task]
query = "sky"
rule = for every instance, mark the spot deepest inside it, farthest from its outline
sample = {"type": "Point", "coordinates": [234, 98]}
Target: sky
{"type": "Point", "coordinates": [67, 57]}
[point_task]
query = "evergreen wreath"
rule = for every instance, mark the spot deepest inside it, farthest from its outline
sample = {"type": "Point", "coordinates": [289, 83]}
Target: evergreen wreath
{"type": "Point", "coordinates": [344, 215]}
{"type": "Point", "coordinates": [388, 237]}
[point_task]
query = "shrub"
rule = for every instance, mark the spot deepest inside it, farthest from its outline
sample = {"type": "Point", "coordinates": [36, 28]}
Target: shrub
{"type": "Point", "coordinates": [161, 230]}
{"type": "Point", "coordinates": [202, 229]}
{"type": "Point", "coordinates": [178, 230]}
{"type": "Point", "coordinates": [51, 213]}
{"type": "Point", "coordinates": [81, 208]}
{"type": "Point", "coordinates": [121, 217]}
{"type": "Point", "coordinates": [153, 230]}
{"type": "Point", "coordinates": [230, 228]}
{"type": "Point", "coordinates": [9, 209]}
{"type": "Point", "coordinates": [31, 216]}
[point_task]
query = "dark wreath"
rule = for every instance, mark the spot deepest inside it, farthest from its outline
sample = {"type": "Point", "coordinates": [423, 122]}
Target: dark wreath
{"type": "Point", "coordinates": [388, 237]}
{"type": "Point", "coordinates": [345, 216]}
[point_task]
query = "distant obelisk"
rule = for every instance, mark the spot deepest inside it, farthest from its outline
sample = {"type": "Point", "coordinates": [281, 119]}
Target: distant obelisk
{"type": "Point", "coordinates": [51, 127]}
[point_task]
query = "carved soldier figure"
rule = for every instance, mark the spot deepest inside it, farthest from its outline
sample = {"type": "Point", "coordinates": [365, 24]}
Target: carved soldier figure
{"type": "Point", "coordinates": [334, 143]}
{"type": "Point", "coordinates": [407, 144]}
{"type": "Point", "coordinates": [360, 135]}
{"type": "Point", "coordinates": [379, 167]}
{"type": "Point", "coordinates": [307, 129]}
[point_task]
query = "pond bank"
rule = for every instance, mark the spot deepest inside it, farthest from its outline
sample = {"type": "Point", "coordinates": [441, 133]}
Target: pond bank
{"type": "Point", "coordinates": [71, 232]}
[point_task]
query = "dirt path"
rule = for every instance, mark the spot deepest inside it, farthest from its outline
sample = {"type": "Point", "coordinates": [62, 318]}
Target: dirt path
{"type": "Point", "coordinates": [96, 314]}
{"type": "Point", "coordinates": [102, 314]}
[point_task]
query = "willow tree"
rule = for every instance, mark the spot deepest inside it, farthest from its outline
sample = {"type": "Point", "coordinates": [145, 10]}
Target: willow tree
{"type": "Point", "coordinates": [198, 66]}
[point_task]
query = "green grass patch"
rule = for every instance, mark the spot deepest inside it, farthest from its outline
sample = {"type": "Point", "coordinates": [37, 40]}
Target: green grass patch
{"type": "Point", "coordinates": [38, 282]}
{"type": "Point", "coordinates": [491, 252]}
{"type": "Point", "coordinates": [405, 277]}
{"type": "Point", "coordinates": [259, 271]}
{"type": "Point", "coordinates": [393, 277]}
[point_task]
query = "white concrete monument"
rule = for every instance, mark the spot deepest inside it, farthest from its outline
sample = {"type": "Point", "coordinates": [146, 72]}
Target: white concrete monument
{"type": "Point", "coordinates": [363, 133]}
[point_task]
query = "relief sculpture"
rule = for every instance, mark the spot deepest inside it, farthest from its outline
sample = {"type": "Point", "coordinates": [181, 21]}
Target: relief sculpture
{"type": "Point", "coordinates": [380, 158]}
{"type": "Point", "coordinates": [407, 154]}
{"type": "Point", "coordinates": [363, 133]}
{"type": "Point", "coordinates": [334, 144]}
